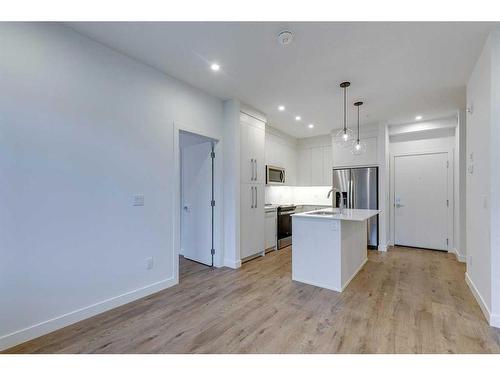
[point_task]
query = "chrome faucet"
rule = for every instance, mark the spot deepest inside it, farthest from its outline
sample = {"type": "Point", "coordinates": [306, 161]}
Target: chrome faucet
{"type": "Point", "coordinates": [341, 205]}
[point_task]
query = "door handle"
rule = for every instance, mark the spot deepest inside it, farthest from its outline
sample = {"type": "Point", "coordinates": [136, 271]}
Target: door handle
{"type": "Point", "coordinates": [398, 205]}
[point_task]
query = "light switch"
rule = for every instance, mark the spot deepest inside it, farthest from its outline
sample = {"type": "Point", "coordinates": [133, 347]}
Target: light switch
{"type": "Point", "coordinates": [149, 263]}
{"type": "Point", "coordinates": [138, 200]}
{"type": "Point", "coordinates": [335, 225]}
{"type": "Point", "coordinates": [484, 199]}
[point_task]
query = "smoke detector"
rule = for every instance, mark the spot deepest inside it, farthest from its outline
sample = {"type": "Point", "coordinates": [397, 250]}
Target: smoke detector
{"type": "Point", "coordinates": [285, 37]}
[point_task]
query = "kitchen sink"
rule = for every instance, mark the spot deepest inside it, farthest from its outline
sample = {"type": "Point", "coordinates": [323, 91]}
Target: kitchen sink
{"type": "Point", "coordinates": [326, 213]}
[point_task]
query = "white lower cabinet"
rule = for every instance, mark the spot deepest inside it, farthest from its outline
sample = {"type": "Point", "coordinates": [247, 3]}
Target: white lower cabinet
{"type": "Point", "coordinates": [271, 229]}
{"type": "Point", "coordinates": [252, 223]}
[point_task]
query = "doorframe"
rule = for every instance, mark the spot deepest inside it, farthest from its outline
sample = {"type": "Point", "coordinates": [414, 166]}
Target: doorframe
{"type": "Point", "coordinates": [176, 195]}
{"type": "Point", "coordinates": [450, 191]}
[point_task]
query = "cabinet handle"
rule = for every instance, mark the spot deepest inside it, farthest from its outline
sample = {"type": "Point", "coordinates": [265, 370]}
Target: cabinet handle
{"type": "Point", "coordinates": [251, 178]}
{"type": "Point", "coordinates": [255, 162]}
{"type": "Point", "coordinates": [256, 199]}
{"type": "Point", "coordinates": [251, 206]}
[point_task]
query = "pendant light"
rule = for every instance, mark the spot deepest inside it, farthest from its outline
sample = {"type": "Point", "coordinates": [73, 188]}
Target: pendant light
{"type": "Point", "coordinates": [344, 136]}
{"type": "Point", "coordinates": [358, 146]}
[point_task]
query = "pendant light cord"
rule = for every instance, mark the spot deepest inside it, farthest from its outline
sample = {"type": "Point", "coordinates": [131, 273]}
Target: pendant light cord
{"type": "Point", "coordinates": [358, 123]}
{"type": "Point", "coordinates": [345, 117]}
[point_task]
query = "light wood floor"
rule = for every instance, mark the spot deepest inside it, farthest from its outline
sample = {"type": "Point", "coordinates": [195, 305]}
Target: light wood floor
{"type": "Point", "coordinates": [402, 301]}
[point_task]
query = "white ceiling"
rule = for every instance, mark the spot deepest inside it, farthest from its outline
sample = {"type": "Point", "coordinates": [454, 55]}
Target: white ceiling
{"type": "Point", "coordinates": [399, 70]}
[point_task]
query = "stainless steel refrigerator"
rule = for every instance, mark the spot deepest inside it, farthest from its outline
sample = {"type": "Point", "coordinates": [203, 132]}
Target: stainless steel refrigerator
{"type": "Point", "coordinates": [359, 187]}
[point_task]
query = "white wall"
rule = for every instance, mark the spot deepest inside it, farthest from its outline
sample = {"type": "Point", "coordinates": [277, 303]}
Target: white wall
{"type": "Point", "coordinates": [83, 128]}
{"type": "Point", "coordinates": [478, 182]}
{"type": "Point", "coordinates": [483, 180]}
{"type": "Point", "coordinates": [495, 181]}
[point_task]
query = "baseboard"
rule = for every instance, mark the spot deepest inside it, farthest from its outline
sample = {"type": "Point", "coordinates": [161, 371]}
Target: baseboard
{"type": "Point", "coordinates": [40, 329]}
{"type": "Point", "coordinates": [495, 320]}
{"type": "Point", "coordinates": [478, 297]}
{"type": "Point", "coordinates": [459, 257]}
{"type": "Point", "coordinates": [232, 263]}
{"type": "Point", "coordinates": [314, 283]}
{"type": "Point", "coordinates": [353, 275]}
{"type": "Point", "coordinates": [384, 248]}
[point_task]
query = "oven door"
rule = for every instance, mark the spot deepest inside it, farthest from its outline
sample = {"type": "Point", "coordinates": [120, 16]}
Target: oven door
{"type": "Point", "coordinates": [285, 224]}
{"type": "Point", "coordinates": [275, 175]}
{"type": "Point", "coordinates": [285, 229]}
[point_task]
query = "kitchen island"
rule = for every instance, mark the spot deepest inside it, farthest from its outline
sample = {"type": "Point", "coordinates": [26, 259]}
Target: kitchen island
{"type": "Point", "coordinates": [329, 248]}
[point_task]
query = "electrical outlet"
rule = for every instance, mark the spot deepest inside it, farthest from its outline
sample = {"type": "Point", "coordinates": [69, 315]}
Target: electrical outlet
{"type": "Point", "coordinates": [138, 200]}
{"type": "Point", "coordinates": [149, 263]}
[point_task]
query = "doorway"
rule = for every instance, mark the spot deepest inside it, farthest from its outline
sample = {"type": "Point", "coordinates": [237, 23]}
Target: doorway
{"type": "Point", "coordinates": [421, 200]}
{"type": "Point", "coordinates": [196, 201]}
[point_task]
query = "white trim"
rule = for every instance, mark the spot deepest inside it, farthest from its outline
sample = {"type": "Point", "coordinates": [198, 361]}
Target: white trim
{"type": "Point", "coordinates": [478, 297]}
{"type": "Point", "coordinates": [457, 254]}
{"type": "Point", "coordinates": [72, 317]}
{"type": "Point", "coordinates": [384, 248]}
{"type": "Point", "coordinates": [315, 283]}
{"type": "Point", "coordinates": [232, 263]}
{"type": "Point", "coordinates": [495, 320]}
{"type": "Point", "coordinates": [354, 275]}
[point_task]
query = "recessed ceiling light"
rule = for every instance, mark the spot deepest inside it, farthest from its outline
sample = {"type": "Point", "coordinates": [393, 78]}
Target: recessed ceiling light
{"type": "Point", "coordinates": [298, 118]}
{"type": "Point", "coordinates": [310, 126]}
{"type": "Point", "coordinates": [215, 67]}
{"type": "Point", "coordinates": [281, 108]}
{"type": "Point", "coordinates": [418, 118]}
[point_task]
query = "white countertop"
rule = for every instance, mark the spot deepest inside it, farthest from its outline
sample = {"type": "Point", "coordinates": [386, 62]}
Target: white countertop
{"type": "Point", "coordinates": [349, 214]}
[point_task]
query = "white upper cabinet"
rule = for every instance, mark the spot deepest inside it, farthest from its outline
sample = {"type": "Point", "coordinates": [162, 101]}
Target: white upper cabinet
{"type": "Point", "coordinates": [253, 138]}
{"type": "Point", "coordinates": [327, 166]}
{"type": "Point", "coordinates": [317, 169]}
{"type": "Point", "coordinates": [342, 157]}
{"type": "Point", "coordinates": [281, 151]}
{"type": "Point", "coordinates": [315, 166]}
{"type": "Point", "coordinates": [304, 167]}
{"type": "Point", "coordinates": [259, 141]}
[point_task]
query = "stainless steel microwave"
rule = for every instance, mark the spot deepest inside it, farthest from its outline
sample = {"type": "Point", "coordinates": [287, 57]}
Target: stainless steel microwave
{"type": "Point", "coordinates": [275, 175]}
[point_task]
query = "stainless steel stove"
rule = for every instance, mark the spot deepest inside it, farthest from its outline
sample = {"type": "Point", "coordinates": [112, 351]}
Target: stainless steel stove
{"type": "Point", "coordinates": [285, 225]}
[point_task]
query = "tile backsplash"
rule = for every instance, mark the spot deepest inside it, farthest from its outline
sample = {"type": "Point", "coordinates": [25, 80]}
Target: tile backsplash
{"type": "Point", "coordinates": [300, 195]}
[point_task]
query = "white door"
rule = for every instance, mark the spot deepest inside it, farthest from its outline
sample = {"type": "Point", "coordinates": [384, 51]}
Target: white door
{"type": "Point", "coordinates": [421, 201]}
{"type": "Point", "coordinates": [196, 197]}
